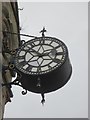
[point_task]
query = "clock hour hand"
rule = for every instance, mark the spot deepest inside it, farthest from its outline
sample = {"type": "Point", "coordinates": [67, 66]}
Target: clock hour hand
{"type": "Point", "coordinates": [53, 53]}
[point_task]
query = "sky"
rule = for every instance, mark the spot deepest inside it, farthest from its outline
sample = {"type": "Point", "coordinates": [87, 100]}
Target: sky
{"type": "Point", "coordinates": [67, 21]}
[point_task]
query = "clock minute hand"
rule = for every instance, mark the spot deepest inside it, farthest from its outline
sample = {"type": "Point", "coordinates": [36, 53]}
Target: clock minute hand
{"type": "Point", "coordinates": [36, 52]}
{"type": "Point", "coordinates": [45, 54]}
{"type": "Point", "coordinates": [53, 52]}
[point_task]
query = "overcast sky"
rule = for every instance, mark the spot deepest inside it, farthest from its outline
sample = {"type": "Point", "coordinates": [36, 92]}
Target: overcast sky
{"type": "Point", "coordinates": [68, 22]}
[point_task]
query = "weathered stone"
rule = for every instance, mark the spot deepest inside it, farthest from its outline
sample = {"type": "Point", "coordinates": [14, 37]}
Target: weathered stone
{"type": "Point", "coordinates": [9, 21]}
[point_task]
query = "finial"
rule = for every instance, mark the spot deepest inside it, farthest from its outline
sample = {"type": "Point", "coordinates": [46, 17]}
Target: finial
{"type": "Point", "coordinates": [43, 31]}
{"type": "Point", "coordinates": [43, 100]}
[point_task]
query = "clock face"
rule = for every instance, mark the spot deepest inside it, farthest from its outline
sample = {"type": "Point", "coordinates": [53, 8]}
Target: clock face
{"type": "Point", "coordinates": [40, 55]}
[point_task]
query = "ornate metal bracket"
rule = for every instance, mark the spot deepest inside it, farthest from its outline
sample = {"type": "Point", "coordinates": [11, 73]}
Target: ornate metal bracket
{"type": "Point", "coordinates": [6, 32]}
{"type": "Point", "coordinates": [18, 83]}
{"type": "Point", "coordinates": [10, 67]}
{"type": "Point", "coordinates": [15, 82]}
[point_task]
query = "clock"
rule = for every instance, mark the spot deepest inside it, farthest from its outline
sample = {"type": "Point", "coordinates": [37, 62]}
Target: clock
{"type": "Point", "coordinates": [41, 65]}
{"type": "Point", "coordinates": [44, 64]}
{"type": "Point", "coordinates": [41, 55]}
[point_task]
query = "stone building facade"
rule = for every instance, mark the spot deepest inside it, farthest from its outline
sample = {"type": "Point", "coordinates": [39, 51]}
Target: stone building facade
{"type": "Point", "coordinates": [9, 21]}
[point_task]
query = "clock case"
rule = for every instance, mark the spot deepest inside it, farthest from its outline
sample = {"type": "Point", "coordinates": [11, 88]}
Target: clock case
{"type": "Point", "coordinates": [49, 81]}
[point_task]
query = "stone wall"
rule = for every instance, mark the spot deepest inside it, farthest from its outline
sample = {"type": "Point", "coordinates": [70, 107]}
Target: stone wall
{"type": "Point", "coordinates": [10, 22]}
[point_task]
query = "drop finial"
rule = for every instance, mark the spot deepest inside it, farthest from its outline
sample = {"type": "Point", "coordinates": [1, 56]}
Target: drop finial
{"type": "Point", "coordinates": [43, 100]}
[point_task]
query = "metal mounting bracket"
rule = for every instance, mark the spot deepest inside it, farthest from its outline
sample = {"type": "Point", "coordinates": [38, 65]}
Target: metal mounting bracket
{"type": "Point", "coordinates": [15, 82]}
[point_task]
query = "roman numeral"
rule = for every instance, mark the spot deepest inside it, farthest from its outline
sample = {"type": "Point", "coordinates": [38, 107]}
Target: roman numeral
{"type": "Point", "coordinates": [38, 69]}
{"type": "Point", "coordinates": [32, 44]}
{"type": "Point", "coordinates": [49, 67]}
{"type": "Point", "coordinates": [57, 46]}
{"type": "Point", "coordinates": [60, 53]}
{"type": "Point", "coordinates": [42, 41]}
{"type": "Point", "coordinates": [56, 60]}
{"type": "Point", "coordinates": [23, 63]}
{"type": "Point", "coordinates": [29, 68]}
{"type": "Point", "coordinates": [21, 57]}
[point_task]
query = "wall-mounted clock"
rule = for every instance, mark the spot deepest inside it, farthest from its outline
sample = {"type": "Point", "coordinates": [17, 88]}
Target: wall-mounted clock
{"type": "Point", "coordinates": [43, 64]}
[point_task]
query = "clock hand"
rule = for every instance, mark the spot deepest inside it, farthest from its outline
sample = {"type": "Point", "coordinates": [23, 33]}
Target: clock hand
{"type": "Point", "coordinates": [36, 52]}
{"type": "Point", "coordinates": [45, 54]}
{"type": "Point", "coordinates": [53, 52]}
{"type": "Point", "coordinates": [32, 50]}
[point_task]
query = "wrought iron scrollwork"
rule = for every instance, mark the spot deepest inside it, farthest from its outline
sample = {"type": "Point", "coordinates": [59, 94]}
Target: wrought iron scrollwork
{"type": "Point", "coordinates": [24, 92]}
{"type": "Point", "coordinates": [15, 82]}
{"type": "Point", "coordinates": [22, 42]}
